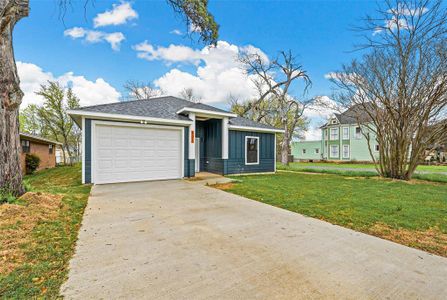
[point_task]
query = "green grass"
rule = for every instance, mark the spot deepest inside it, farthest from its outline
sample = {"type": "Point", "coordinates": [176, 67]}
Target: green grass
{"type": "Point", "coordinates": [52, 242]}
{"type": "Point", "coordinates": [434, 169]}
{"type": "Point", "coordinates": [358, 203]}
{"type": "Point", "coordinates": [307, 167]}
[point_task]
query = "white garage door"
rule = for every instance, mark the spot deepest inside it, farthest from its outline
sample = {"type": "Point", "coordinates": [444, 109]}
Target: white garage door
{"type": "Point", "coordinates": [124, 153]}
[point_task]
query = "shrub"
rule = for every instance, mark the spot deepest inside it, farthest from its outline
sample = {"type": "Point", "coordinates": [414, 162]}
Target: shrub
{"type": "Point", "coordinates": [7, 197]}
{"type": "Point", "coordinates": [31, 163]}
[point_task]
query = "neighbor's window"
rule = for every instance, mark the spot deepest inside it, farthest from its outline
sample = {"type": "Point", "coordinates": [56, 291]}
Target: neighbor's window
{"type": "Point", "coordinates": [345, 151]}
{"type": "Point", "coordinates": [334, 150]}
{"type": "Point", "coordinates": [358, 133]}
{"type": "Point", "coordinates": [50, 149]}
{"type": "Point", "coordinates": [377, 148]}
{"type": "Point", "coordinates": [25, 146]}
{"type": "Point", "coordinates": [251, 150]}
{"type": "Point", "coordinates": [334, 133]}
{"type": "Point", "coordinates": [346, 133]}
{"type": "Point", "coordinates": [317, 150]}
{"type": "Point", "coordinates": [304, 151]}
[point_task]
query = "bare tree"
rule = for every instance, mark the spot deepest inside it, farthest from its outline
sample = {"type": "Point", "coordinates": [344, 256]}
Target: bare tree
{"type": "Point", "coordinates": [190, 95]}
{"type": "Point", "coordinates": [12, 11]}
{"type": "Point", "coordinates": [398, 89]}
{"type": "Point", "coordinates": [274, 80]}
{"type": "Point", "coordinates": [137, 90]}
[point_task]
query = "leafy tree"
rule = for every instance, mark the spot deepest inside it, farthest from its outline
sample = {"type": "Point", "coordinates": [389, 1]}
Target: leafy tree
{"type": "Point", "coordinates": [54, 117]}
{"type": "Point", "coordinates": [195, 13]}
{"type": "Point", "coordinates": [30, 122]}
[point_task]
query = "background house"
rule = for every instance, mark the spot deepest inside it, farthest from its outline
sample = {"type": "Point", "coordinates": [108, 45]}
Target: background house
{"type": "Point", "coordinates": [341, 139]}
{"type": "Point", "coordinates": [307, 150]}
{"type": "Point", "coordinates": [44, 148]}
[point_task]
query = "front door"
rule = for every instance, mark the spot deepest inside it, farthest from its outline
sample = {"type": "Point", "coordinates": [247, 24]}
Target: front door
{"type": "Point", "coordinates": [197, 159]}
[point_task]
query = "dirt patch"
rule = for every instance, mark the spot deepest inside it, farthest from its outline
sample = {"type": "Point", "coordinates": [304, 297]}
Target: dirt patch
{"type": "Point", "coordinates": [17, 222]}
{"type": "Point", "coordinates": [223, 186]}
{"type": "Point", "coordinates": [432, 240]}
{"type": "Point", "coordinates": [194, 179]}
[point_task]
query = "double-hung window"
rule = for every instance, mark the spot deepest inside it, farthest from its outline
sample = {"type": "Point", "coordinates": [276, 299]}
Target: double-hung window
{"type": "Point", "coordinates": [345, 133]}
{"type": "Point", "coordinates": [345, 151]}
{"type": "Point", "coordinates": [334, 134]}
{"type": "Point", "coordinates": [317, 150]}
{"type": "Point", "coordinates": [50, 149]}
{"type": "Point", "coordinates": [334, 151]}
{"type": "Point", "coordinates": [304, 151]}
{"type": "Point", "coordinates": [25, 146]}
{"type": "Point", "coordinates": [251, 150]}
{"type": "Point", "coordinates": [358, 133]}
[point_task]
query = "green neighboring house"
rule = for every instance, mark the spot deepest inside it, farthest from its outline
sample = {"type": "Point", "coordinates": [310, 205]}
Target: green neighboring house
{"type": "Point", "coordinates": [307, 150]}
{"type": "Point", "coordinates": [342, 139]}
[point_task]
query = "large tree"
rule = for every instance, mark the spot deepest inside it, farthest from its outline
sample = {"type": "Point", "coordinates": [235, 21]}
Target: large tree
{"type": "Point", "coordinates": [54, 118]}
{"type": "Point", "coordinates": [275, 105]}
{"type": "Point", "coordinates": [195, 12]}
{"type": "Point", "coordinates": [398, 89]}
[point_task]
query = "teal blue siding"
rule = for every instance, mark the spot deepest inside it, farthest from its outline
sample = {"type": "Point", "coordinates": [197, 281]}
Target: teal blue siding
{"type": "Point", "coordinates": [88, 150]}
{"type": "Point", "coordinates": [210, 134]}
{"type": "Point", "coordinates": [189, 164]}
{"type": "Point", "coordinates": [236, 156]}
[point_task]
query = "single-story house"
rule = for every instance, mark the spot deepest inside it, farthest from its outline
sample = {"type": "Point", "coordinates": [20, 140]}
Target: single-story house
{"type": "Point", "coordinates": [44, 148]}
{"type": "Point", "coordinates": [168, 138]}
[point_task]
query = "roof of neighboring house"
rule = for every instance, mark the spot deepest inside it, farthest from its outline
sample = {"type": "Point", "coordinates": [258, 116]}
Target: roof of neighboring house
{"type": "Point", "coordinates": [355, 114]}
{"type": "Point", "coordinates": [36, 138]}
{"type": "Point", "coordinates": [167, 107]}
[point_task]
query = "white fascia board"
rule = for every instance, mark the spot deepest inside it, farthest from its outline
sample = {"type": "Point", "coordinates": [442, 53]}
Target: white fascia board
{"type": "Point", "coordinates": [255, 129]}
{"type": "Point", "coordinates": [118, 117]}
{"type": "Point", "coordinates": [206, 112]}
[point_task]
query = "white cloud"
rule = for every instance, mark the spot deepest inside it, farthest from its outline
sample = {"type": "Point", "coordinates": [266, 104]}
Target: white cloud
{"type": "Point", "coordinates": [89, 92]}
{"type": "Point", "coordinates": [94, 36]}
{"type": "Point", "coordinates": [218, 73]}
{"type": "Point", "coordinates": [176, 32]}
{"type": "Point", "coordinates": [119, 14]}
{"type": "Point", "coordinates": [312, 134]}
{"type": "Point", "coordinates": [398, 18]}
{"type": "Point", "coordinates": [172, 53]}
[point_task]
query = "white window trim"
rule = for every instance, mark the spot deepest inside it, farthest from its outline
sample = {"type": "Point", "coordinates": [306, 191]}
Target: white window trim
{"type": "Point", "coordinates": [338, 151]}
{"type": "Point", "coordinates": [251, 137]}
{"type": "Point", "coordinates": [317, 150]}
{"type": "Point", "coordinates": [330, 134]}
{"type": "Point", "coordinates": [349, 151]}
{"type": "Point", "coordinates": [375, 148]}
{"type": "Point", "coordinates": [343, 133]}
{"type": "Point", "coordinates": [359, 136]}
{"type": "Point", "coordinates": [304, 151]}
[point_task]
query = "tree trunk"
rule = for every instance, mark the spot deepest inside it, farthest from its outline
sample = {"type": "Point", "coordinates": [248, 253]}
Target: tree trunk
{"type": "Point", "coordinates": [285, 147]}
{"type": "Point", "coordinates": [11, 11]}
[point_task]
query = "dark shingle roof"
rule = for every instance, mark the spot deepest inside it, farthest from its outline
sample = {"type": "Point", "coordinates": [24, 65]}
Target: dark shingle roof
{"type": "Point", "coordinates": [239, 121]}
{"type": "Point", "coordinates": [37, 138]}
{"type": "Point", "coordinates": [353, 115]}
{"type": "Point", "coordinates": [165, 108]}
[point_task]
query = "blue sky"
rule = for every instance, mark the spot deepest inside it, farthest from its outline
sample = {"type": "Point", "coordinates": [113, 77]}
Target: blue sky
{"type": "Point", "coordinates": [318, 32]}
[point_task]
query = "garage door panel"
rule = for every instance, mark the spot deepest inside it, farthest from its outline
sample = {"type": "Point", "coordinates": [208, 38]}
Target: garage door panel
{"type": "Point", "coordinates": [125, 153]}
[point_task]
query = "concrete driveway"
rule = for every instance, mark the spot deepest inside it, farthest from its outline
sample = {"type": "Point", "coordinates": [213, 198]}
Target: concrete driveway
{"type": "Point", "coordinates": [182, 240]}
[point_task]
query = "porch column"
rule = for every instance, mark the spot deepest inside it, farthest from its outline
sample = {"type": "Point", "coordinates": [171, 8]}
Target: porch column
{"type": "Point", "coordinates": [225, 138]}
{"type": "Point", "coordinates": [192, 136]}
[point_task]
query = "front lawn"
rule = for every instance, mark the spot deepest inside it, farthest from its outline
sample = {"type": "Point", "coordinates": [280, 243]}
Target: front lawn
{"type": "Point", "coordinates": [424, 168]}
{"type": "Point", "coordinates": [38, 234]}
{"type": "Point", "coordinates": [413, 214]}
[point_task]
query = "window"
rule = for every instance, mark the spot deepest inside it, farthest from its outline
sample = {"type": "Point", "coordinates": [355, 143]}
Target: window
{"type": "Point", "coordinates": [334, 134]}
{"type": "Point", "coordinates": [25, 146]}
{"type": "Point", "coordinates": [251, 150]}
{"type": "Point", "coordinates": [317, 150]}
{"type": "Point", "coordinates": [50, 149]}
{"type": "Point", "coordinates": [377, 148]}
{"type": "Point", "coordinates": [334, 151]}
{"type": "Point", "coordinates": [346, 133]}
{"type": "Point", "coordinates": [334, 121]}
{"type": "Point", "coordinates": [325, 133]}
{"type": "Point", "coordinates": [345, 151]}
{"type": "Point", "coordinates": [358, 133]}
{"type": "Point", "coordinates": [304, 151]}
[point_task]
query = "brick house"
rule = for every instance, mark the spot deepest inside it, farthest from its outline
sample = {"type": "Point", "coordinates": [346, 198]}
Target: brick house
{"type": "Point", "coordinates": [45, 149]}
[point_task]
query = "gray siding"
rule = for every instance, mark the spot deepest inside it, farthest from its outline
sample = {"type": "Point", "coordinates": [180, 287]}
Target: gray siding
{"type": "Point", "coordinates": [88, 150]}
{"type": "Point", "coordinates": [236, 160]}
